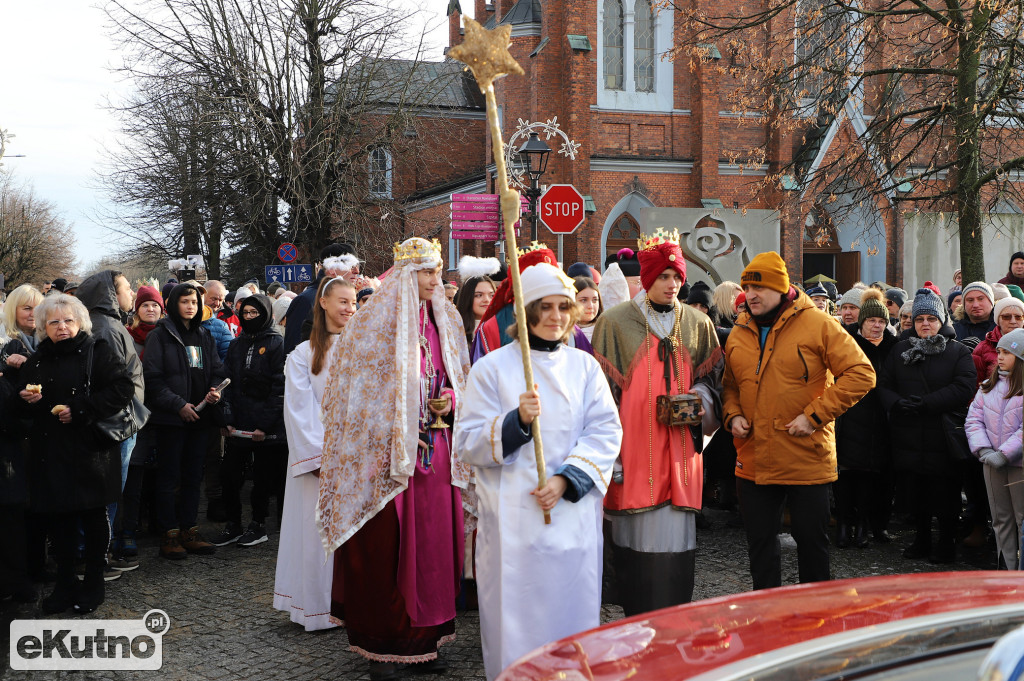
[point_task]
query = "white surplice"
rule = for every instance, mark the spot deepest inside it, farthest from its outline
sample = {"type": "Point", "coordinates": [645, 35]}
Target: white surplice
{"type": "Point", "coordinates": [302, 585]}
{"type": "Point", "coordinates": [537, 583]}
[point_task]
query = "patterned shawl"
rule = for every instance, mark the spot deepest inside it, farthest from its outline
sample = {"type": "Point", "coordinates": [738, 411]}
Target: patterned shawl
{"type": "Point", "coordinates": [371, 403]}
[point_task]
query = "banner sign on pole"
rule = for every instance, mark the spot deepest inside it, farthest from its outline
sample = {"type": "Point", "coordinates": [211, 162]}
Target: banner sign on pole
{"type": "Point", "coordinates": [289, 274]}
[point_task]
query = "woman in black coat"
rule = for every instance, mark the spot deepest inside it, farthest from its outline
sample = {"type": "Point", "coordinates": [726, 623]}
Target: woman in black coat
{"type": "Point", "coordinates": [864, 488]}
{"type": "Point", "coordinates": [74, 471]}
{"type": "Point", "coordinates": [926, 376]}
{"type": "Point", "coordinates": [181, 369]}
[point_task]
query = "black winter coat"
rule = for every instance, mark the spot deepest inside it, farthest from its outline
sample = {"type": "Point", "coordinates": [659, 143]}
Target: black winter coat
{"type": "Point", "coordinates": [862, 434]}
{"type": "Point", "coordinates": [255, 364]}
{"type": "Point", "coordinates": [72, 467]}
{"type": "Point", "coordinates": [13, 479]}
{"type": "Point", "coordinates": [946, 382]}
{"type": "Point", "coordinates": [99, 296]}
{"type": "Point", "coordinates": [168, 374]}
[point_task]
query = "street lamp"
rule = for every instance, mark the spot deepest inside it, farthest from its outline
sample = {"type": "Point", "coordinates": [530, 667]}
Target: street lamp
{"type": "Point", "coordinates": [535, 151]}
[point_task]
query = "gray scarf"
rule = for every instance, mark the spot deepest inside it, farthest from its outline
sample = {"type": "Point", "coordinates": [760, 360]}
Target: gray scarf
{"type": "Point", "coordinates": [922, 347]}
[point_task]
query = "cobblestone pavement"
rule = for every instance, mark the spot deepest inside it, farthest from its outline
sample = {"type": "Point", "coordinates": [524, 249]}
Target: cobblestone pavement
{"type": "Point", "coordinates": [223, 625]}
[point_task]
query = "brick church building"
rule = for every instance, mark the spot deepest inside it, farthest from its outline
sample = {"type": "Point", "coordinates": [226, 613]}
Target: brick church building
{"type": "Point", "coordinates": [658, 148]}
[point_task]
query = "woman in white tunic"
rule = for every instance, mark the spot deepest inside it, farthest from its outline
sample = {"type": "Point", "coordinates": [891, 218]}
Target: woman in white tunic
{"type": "Point", "coordinates": [538, 583]}
{"type": "Point", "coordinates": [302, 586]}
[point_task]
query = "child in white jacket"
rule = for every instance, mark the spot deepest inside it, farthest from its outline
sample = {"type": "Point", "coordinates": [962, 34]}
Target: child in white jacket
{"type": "Point", "coordinates": [994, 432]}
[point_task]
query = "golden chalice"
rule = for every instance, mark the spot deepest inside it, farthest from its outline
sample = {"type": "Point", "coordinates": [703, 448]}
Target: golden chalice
{"type": "Point", "coordinates": [438, 403]}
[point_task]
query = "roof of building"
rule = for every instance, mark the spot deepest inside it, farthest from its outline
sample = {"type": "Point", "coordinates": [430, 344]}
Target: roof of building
{"type": "Point", "coordinates": [444, 85]}
{"type": "Point", "coordinates": [523, 12]}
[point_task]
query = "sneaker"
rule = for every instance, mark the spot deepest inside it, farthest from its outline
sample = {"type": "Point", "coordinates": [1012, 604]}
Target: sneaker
{"type": "Point", "coordinates": [255, 534]}
{"type": "Point", "coordinates": [229, 535]}
{"type": "Point", "coordinates": [124, 563]}
{"type": "Point", "coordinates": [111, 574]}
{"type": "Point", "coordinates": [129, 549]}
{"type": "Point", "coordinates": [171, 546]}
{"type": "Point", "coordinates": [193, 542]}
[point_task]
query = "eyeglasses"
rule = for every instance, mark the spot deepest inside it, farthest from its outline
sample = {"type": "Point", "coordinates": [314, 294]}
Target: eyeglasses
{"type": "Point", "coordinates": [1012, 317]}
{"type": "Point", "coordinates": [250, 313]}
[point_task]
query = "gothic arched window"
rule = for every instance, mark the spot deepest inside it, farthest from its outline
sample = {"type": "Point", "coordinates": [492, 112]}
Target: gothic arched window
{"type": "Point", "coordinates": [613, 45]}
{"type": "Point", "coordinates": [643, 45]}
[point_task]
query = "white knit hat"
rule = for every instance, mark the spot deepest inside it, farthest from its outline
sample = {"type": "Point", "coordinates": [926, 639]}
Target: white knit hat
{"type": "Point", "coordinates": [979, 286]}
{"type": "Point", "coordinates": [851, 297]}
{"type": "Point", "coordinates": [1003, 304]}
{"type": "Point", "coordinates": [543, 280]}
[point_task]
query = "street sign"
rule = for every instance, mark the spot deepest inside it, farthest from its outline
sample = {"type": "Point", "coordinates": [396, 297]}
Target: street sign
{"type": "Point", "coordinates": [287, 252]}
{"type": "Point", "coordinates": [289, 274]}
{"type": "Point", "coordinates": [478, 216]}
{"type": "Point", "coordinates": [561, 208]}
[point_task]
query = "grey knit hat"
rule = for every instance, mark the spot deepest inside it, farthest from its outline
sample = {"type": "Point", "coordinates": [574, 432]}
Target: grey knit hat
{"type": "Point", "coordinates": [926, 302]}
{"type": "Point", "coordinates": [851, 297]}
{"type": "Point", "coordinates": [980, 286]}
{"type": "Point", "coordinates": [896, 295]}
{"type": "Point", "coordinates": [1013, 343]}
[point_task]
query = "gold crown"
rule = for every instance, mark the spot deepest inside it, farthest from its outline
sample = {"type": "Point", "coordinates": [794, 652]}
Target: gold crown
{"type": "Point", "coordinates": [417, 248]}
{"type": "Point", "coordinates": [660, 236]}
{"type": "Point", "coordinates": [534, 246]}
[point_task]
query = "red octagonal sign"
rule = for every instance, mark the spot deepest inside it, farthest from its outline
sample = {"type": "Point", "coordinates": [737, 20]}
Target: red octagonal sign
{"type": "Point", "coordinates": [561, 208]}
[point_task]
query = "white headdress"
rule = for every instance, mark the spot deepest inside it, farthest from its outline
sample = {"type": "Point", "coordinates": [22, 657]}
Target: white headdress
{"type": "Point", "coordinates": [371, 405]}
{"type": "Point", "coordinates": [341, 263]}
{"type": "Point", "coordinates": [471, 267]}
{"type": "Point", "coordinates": [613, 287]}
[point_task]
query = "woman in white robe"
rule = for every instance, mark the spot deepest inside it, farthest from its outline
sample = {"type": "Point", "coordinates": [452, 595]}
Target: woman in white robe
{"type": "Point", "coordinates": [538, 583]}
{"type": "Point", "coordinates": [302, 586]}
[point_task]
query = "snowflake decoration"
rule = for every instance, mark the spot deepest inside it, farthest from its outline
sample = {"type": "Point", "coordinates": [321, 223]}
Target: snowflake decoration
{"type": "Point", "coordinates": [549, 129]}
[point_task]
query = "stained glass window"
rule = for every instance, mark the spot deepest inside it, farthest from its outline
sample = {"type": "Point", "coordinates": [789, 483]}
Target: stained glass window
{"type": "Point", "coordinates": [643, 46]}
{"type": "Point", "coordinates": [613, 48]}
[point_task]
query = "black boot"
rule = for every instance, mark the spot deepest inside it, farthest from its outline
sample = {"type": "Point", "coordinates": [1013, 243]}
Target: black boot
{"type": "Point", "coordinates": [945, 550]}
{"type": "Point", "coordinates": [64, 595]}
{"type": "Point", "coordinates": [843, 535]}
{"type": "Point", "coordinates": [860, 539]}
{"type": "Point", "coordinates": [91, 595]}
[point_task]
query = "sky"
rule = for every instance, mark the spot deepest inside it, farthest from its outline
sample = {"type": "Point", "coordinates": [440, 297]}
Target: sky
{"type": "Point", "coordinates": [55, 79]}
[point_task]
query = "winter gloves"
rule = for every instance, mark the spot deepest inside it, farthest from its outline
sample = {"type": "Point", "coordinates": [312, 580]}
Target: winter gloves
{"type": "Point", "coordinates": [991, 457]}
{"type": "Point", "coordinates": [908, 406]}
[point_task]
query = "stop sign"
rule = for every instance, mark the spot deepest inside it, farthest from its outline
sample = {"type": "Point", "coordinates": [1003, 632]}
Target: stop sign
{"type": "Point", "coordinates": [561, 208]}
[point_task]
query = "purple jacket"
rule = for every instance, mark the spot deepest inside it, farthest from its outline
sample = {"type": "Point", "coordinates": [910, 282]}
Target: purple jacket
{"type": "Point", "coordinates": [994, 421]}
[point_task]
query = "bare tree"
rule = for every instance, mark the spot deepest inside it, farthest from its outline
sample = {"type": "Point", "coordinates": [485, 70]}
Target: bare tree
{"type": "Point", "coordinates": [283, 101]}
{"type": "Point", "coordinates": [937, 87]}
{"type": "Point", "coordinates": [35, 243]}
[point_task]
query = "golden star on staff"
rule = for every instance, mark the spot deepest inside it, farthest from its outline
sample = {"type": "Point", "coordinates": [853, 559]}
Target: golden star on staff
{"type": "Point", "coordinates": [486, 53]}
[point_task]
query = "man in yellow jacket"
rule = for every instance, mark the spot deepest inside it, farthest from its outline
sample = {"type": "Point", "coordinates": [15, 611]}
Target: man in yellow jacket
{"type": "Point", "coordinates": [790, 370]}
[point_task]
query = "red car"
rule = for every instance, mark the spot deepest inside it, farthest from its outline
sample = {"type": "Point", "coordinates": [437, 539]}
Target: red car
{"type": "Point", "coordinates": [926, 627]}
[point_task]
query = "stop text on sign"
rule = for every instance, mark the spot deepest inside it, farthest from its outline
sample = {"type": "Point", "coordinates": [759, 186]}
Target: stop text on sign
{"type": "Point", "coordinates": [561, 208]}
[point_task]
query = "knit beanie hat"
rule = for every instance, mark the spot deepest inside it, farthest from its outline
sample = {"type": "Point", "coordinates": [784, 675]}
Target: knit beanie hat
{"type": "Point", "coordinates": [767, 270]}
{"type": "Point", "coordinates": [872, 305]}
{"type": "Point", "coordinates": [578, 269]}
{"type": "Point", "coordinates": [1005, 303]}
{"type": "Point", "coordinates": [851, 297]}
{"type": "Point", "coordinates": [980, 286]}
{"type": "Point", "coordinates": [931, 287]}
{"type": "Point", "coordinates": [926, 301]}
{"type": "Point", "coordinates": [700, 293]}
{"type": "Point", "coordinates": [1015, 291]}
{"type": "Point", "coordinates": [1013, 343]}
{"type": "Point", "coordinates": [148, 294]}
{"type": "Point", "coordinates": [949, 299]}
{"type": "Point", "coordinates": [896, 295]}
{"type": "Point", "coordinates": [1019, 255]}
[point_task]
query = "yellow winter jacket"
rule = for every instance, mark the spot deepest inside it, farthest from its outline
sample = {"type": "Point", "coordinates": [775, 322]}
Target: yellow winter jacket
{"type": "Point", "coordinates": [809, 364]}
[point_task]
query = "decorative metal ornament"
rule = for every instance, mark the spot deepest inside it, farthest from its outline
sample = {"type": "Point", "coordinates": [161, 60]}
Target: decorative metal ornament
{"type": "Point", "coordinates": [549, 129]}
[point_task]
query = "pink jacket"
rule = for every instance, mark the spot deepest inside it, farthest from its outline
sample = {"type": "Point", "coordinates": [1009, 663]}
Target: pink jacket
{"type": "Point", "coordinates": [996, 422]}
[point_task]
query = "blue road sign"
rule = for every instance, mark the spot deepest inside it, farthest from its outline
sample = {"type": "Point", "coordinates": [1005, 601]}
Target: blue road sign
{"type": "Point", "coordinates": [287, 252]}
{"type": "Point", "coordinates": [289, 274]}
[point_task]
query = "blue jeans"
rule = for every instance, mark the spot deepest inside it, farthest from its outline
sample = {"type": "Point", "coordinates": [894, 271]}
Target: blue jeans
{"type": "Point", "coordinates": [179, 468]}
{"type": "Point", "coordinates": [126, 456]}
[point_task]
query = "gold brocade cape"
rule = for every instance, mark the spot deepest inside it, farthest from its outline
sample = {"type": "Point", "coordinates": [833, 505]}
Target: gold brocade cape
{"type": "Point", "coordinates": [621, 331]}
{"type": "Point", "coordinates": [371, 405]}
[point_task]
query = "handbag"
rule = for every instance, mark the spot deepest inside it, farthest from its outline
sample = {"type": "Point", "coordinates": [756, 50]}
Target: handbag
{"type": "Point", "coordinates": [126, 422]}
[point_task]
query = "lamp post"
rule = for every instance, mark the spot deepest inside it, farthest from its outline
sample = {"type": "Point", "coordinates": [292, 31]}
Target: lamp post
{"type": "Point", "coordinates": [535, 151]}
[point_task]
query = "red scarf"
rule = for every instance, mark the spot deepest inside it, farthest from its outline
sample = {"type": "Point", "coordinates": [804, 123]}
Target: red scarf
{"type": "Point", "coordinates": [140, 332]}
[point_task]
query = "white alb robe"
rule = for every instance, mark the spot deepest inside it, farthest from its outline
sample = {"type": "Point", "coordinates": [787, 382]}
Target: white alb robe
{"type": "Point", "coordinates": [302, 585]}
{"type": "Point", "coordinates": [537, 583]}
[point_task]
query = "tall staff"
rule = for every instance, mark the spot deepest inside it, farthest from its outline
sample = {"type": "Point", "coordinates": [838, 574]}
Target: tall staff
{"type": "Point", "coordinates": [486, 54]}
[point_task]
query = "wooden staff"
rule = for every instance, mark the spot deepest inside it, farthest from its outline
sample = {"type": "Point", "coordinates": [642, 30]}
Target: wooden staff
{"type": "Point", "coordinates": [486, 54]}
